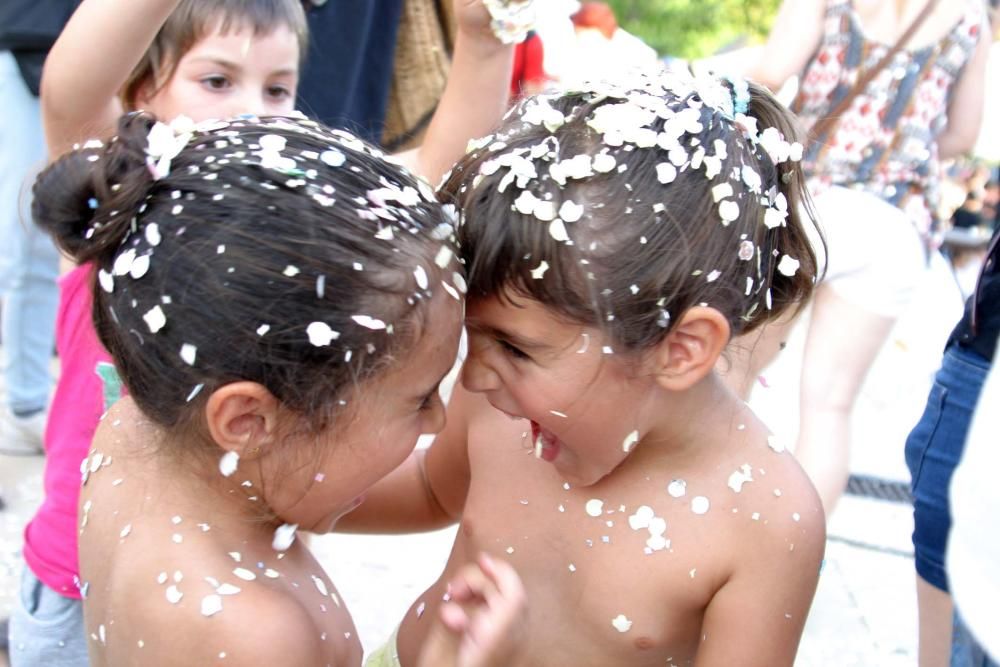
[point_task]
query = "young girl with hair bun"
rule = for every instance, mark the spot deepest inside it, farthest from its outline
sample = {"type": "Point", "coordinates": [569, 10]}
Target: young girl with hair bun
{"type": "Point", "coordinates": [282, 304]}
{"type": "Point", "coordinates": [615, 240]}
{"type": "Point", "coordinates": [201, 59]}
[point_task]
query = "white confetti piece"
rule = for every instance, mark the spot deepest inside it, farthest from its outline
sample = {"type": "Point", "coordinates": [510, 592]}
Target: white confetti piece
{"type": "Point", "coordinates": [211, 605]}
{"type": "Point", "coordinates": [320, 334]}
{"type": "Point", "coordinates": [123, 263]}
{"type": "Point", "coordinates": [333, 158]}
{"type": "Point", "coordinates": [173, 594]}
{"type": "Point", "coordinates": [666, 172]}
{"type": "Point", "coordinates": [570, 211]}
{"type": "Point", "coordinates": [728, 211]}
{"type": "Point", "coordinates": [421, 277]}
{"type": "Point", "coordinates": [320, 586]}
{"type": "Point", "coordinates": [194, 392]}
{"type": "Point", "coordinates": [630, 441]}
{"type": "Point", "coordinates": [291, 271]}
{"type": "Point", "coordinates": [263, 329]}
{"type": "Point", "coordinates": [228, 463]}
{"type": "Point", "coordinates": [557, 230]}
{"type": "Point", "coordinates": [621, 623]}
{"type": "Point", "coordinates": [594, 507]}
{"type": "Point", "coordinates": [125, 531]}
{"type": "Point", "coordinates": [740, 477]}
{"type": "Point", "coordinates": [788, 266]}
{"type": "Point", "coordinates": [284, 536]}
{"type": "Point", "coordinates": [139, 267]}
{"type": "Point", "coordinates": [244, 574]}
{"type": "Point", "coordinates": [796, 516]}
{"type": "Point", "coordinates": [677, 488]}
{"type": "Point", "coordinates": [384, 234]}
{"type": "Point", "coordinates": [228, 589]}
{"type": "Point", "coordinates": [700, 504]}
{"type": "Point", "coordinates": [539, 272]}
{"type": "Point", "coordinates": [155, 319]}
{"type": "Point", "coordinates": [106, 280]}
{"type": "Point", "coordinates": [152, 234]}
{"type": "Point", "coordinates": [776, 444]}
{"type": "Point", "coordinates": [444, 257]}
{"type": "Point", "coordinates": [641, 517]}
{"type": "Point", "coordinates": [369, 322]}
{"type": "Point", "coordinates": [188, 353]}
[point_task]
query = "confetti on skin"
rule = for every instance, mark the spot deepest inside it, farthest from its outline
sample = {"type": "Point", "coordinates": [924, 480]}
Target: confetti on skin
{"type": "Point", "coordinates": [173, 594]}
{"type": "Point", "coordinates": [228, 464]}
{"type": "Point", "coordinates": [320, 586]}
{"type": "Point", "coordinates": [284, 536]}
{"type": "Point", "coordinates": [177, 538]}
{"type": "Point", "coordinates": [677, 488]}
{"type": "Point", "coordinates": [572, 568]}
{"type": "Point", "coordinates": [558, 414]}
{"type": "Point", "coordinates": [774, 443]}
{"type": "Point", "coordinates": [641, 518]}
{"type": "Point", "coordinates": [740, 477]}
{"type": "Point", "coordinates": [693, 571]}
{"type": "Point", "coordinates": [211, 605]}
{"type": "Point", "coordinates": [320, 334]}
{"type": "Point", "coordinates": [621, 623]}
{"type": "Point", "coordinates": [155, 319]}
{"type": "Point", "coordinates": [188, 353]}
{"type": "Point", "coordinates": [586, 343]}
{"type": "Point", "coordinates": [272, 574]}
{"type": "Point", "coordinates": [796, 516]}
{"type": "Point", "coordinates": [788, 266]}
{"type": "Point", "coordinates": [244, 574]}
{"type": "Point", "coordinates": [125, 531]}
{"type": "Point", "coordinates": [700, 504]}
{"type": "Point", "coordinates": [420, 609]}
{"type": "Point", "coordinates": [594, 507]}
{"type": "Point", "coordinates": [162, 578]}
{"type": "Point", "coordinates": [630, 441]}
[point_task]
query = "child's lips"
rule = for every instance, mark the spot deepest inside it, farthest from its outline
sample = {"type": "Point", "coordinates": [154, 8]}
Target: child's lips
{"type": "Point", "coordinates": [546, 444]}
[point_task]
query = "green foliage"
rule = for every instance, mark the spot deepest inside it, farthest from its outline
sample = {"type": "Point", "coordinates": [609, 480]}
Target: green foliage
{"type": "Point", "coordinates": [695, 28]}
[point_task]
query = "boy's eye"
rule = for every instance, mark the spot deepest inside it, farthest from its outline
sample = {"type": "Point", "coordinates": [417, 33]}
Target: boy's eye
{"type": "Point", "coordinates": [429, 400]}
{"type": "Point", "coordinates": [511, 350]}
{"type": "Point", "coordinates": [216, 82]}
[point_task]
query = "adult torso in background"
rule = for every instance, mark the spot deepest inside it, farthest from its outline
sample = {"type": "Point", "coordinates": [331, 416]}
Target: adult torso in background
{"type": "Point", "coordinates": [885, 141]}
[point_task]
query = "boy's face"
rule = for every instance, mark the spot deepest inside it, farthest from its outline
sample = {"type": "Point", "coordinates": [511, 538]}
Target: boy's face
{"type": "Point", "coordinates": [381, 424]}
{"type": "Point", "coordinates": [583, 402]}
{"type": "Point", "coordinates": [224, 75]}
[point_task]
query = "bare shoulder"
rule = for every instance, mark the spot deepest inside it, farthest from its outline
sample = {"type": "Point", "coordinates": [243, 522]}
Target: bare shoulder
{"type": "Point", "coordinates": [258, 626]}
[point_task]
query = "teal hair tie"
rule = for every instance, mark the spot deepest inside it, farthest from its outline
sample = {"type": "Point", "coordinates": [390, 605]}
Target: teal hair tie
{"type": "Point", "coordinates": [741, 94]}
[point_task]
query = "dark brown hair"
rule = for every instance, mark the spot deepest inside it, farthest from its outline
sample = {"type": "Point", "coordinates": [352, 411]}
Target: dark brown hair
{"type": "Point", "coordinates": [275, 251]}
{"type": "Point", "coordinates": [193, 20]}
{"type": "Point", "coordinates": [643, 252]}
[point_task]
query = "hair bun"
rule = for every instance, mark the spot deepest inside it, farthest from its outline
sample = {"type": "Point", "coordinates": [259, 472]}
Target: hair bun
{"type": "Point", "coordinates": [87, 198]}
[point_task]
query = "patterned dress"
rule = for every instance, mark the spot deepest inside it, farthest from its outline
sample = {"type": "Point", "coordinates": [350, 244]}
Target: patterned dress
{"type": "Point", "coordinates": [885, 142]}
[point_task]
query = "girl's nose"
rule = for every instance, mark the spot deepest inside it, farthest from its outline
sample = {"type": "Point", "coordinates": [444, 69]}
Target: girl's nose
{"type": "Point", "coordinates": [478, 376]}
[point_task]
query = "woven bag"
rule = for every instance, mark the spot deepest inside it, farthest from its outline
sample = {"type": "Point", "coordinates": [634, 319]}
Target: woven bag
{"type": "Point", "coordinates": [420, 71]}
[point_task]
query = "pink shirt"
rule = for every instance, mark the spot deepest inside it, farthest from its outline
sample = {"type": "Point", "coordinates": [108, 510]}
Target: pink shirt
{"type": "Point", "coordinates": [50, 540]}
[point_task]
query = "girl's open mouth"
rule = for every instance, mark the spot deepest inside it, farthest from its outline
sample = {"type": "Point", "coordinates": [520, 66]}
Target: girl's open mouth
{"type": "Point", "coordinates": [546, 445]}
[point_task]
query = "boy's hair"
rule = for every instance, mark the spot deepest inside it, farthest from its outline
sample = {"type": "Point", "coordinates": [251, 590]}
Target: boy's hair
{"type": "Point", "coordinates": [194, 19]}
{"type": "Point", "coordinates": [274, 251]}
{"type": "Point", "coordinates": [623, 207]}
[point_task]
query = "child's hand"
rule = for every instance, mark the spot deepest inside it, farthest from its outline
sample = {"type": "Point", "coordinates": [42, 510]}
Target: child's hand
{"type": "Point", "coordinates": [483, 622]}
{"type": "Point", "coordinates": [474, 19]}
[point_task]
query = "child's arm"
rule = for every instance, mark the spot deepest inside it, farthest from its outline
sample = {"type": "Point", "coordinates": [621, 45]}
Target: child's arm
{"type": "Point", "coordinates": [793, 39]}
{"type": "Point", "coordinates": [90, 62]}
{"type": "Point", "coordinates": [475, 97]}
{"type": "Point", "coordinates": [757, 616]}
{"type": "Point", "coordinates": [428, 490]}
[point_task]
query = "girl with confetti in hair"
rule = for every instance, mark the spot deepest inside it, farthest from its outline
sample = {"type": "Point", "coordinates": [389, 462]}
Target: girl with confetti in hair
{"type": "Point", "coordinates": [614, 241]}
{"type": "Point", "coordinates": [203, 59]}
{"type": "Point", "coordinates": [282, 304]}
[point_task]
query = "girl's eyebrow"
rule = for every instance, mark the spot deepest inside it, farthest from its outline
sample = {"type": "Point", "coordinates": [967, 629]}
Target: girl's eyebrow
{"type": "Point", "coordinates": [231, 65]}
{"type": "Point", "coordinates": [516, 340]}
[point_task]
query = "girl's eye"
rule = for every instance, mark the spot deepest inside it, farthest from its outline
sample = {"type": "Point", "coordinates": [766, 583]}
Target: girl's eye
{"type": "Point", "coordinates": [216, 82]}
{"type": "Point", "coordinates": [429, 400]}
{"type": "Point", "coordinates": [511, 350]}
{"type": "Point", "coordinates": [279, 92]}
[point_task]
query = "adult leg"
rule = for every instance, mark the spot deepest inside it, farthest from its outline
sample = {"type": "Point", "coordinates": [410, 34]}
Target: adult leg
{"type": "Point", "coordinates": [841, 344]}
{"type": "Point", "coordinates": [934, 615]}
{"type": "Point", "coordinates": [30, 263]}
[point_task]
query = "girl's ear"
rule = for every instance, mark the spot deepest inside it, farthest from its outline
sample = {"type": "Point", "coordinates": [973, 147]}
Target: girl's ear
{"type": "Point", "coordinates": [691, 349]}
{"type": "Point", "coordinates": [242, 417]}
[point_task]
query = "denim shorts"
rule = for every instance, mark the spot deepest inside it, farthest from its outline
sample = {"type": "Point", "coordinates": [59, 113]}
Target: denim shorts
{"type": "Point", "coordinates": [933, 450]}
{"type": "Point", "coordinates": [46, 628]}
{"type": "Point", "coordinates": [966, 651]}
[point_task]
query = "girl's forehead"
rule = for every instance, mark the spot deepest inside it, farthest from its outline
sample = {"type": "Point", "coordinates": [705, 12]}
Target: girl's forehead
{"type": "Point", "coordinates": [242, 44]}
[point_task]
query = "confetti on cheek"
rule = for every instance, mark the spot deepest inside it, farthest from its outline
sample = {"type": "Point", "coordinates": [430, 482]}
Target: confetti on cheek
{"type": "Point", "coordinates": [643, 515]}
{"type": "Point", "coordinates": [700, 504]}
{"type": "Point", "coordinates": [621, 623]}
{"type": "Point", "coordinates": [677, 488]}
{"type": "Point", "coordinates": [173, 594]}
{"type": "Point", "coordinates": [211, 605]}
{"type": "Point", "coordinates": [244, 574]}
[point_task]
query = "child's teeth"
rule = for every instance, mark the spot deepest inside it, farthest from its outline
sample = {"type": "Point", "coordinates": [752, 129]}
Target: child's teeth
{"type": "Point", "coordinates": [538, 445]}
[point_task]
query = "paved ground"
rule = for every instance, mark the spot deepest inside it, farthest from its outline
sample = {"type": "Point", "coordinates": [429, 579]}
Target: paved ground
{"type": "Point", "coordinates": [865, 610]}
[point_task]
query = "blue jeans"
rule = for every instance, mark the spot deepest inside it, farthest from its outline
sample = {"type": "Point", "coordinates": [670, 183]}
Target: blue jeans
{"type": "Point", "coordinates": [965, 649]}
{"type": "Point", "coordinates": [933, 450]}
{"type": "Point", "coordinates": [46, 628]}
{"type": "Point", "coordinates": [29, 262]}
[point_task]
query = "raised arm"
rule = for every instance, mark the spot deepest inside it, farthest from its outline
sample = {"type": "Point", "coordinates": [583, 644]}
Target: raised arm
{"type": "Point", "coordinates": [757, 616]}
{"type": "Point", "coordinates": [794, 37]}
{"type": "Point", "coordinates": [965, 109]}
{"type": "Point", "coordinates": [428, 490]}
{"type": "Point", "coordinates": [90, 62]}
{"type": "Point", "coordinates": [475, 97]}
